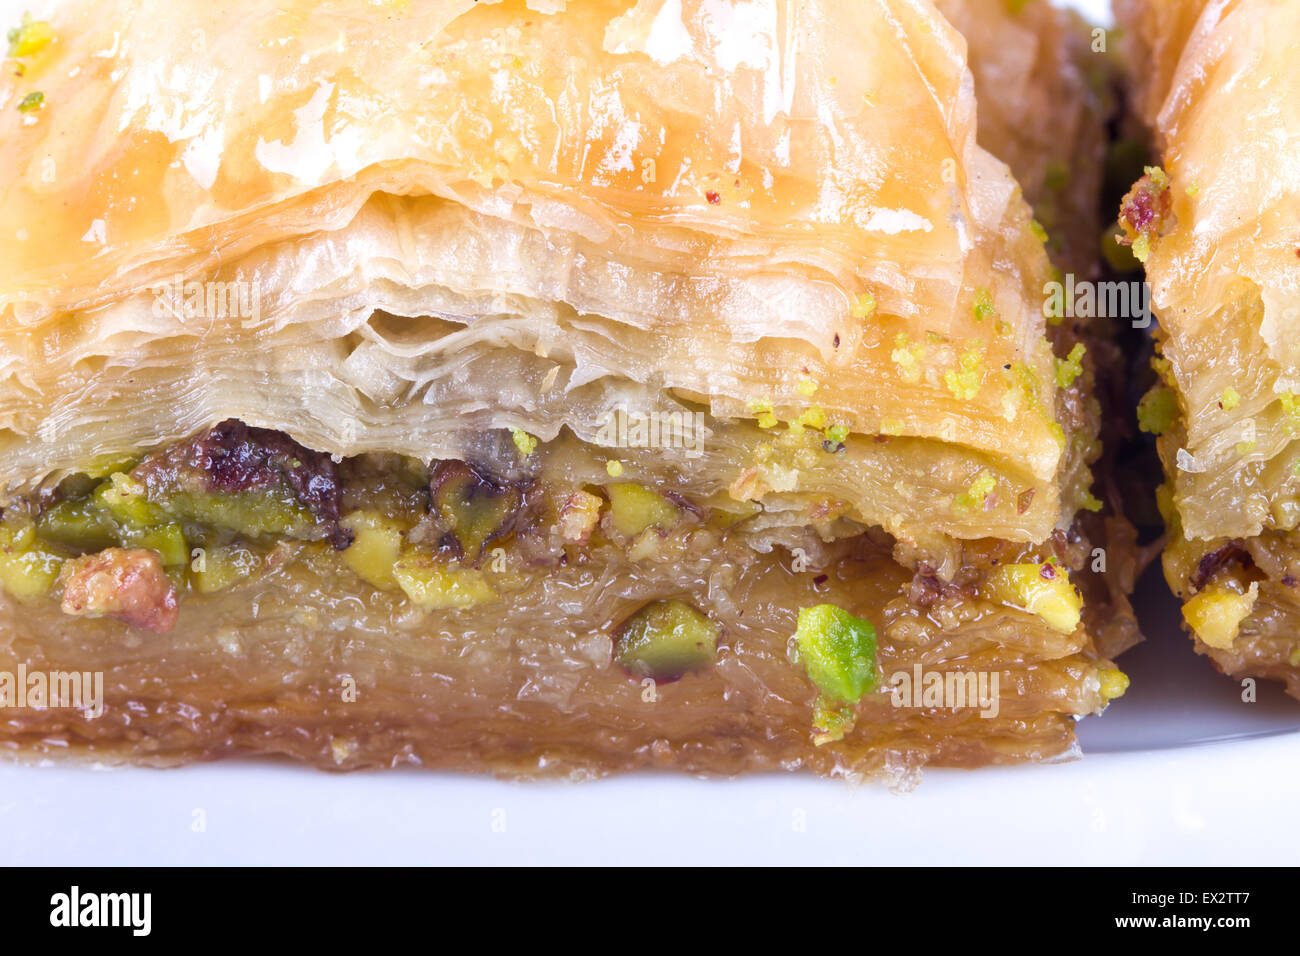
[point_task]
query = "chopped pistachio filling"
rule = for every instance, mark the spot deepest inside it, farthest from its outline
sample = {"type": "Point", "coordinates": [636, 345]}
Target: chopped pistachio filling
{"type": "Point", "coordinates": [376, 547]}
{"type": "Point", "coordinates": [1070, 367]}
{"type": "Point", "coordinates": [525, 442]}
{"type": "Point", "coordinates": [863, 306]}
{"type": "Point", "coordinates": [907, 357]}
{"type": "Point", "coordinates": [634, 508]}
{"type": "Point", "coordinates": [1290, 408]}
{"type": "Point", "coordinates": [814, 418]}
{"type": "Point", "coordinates": [831, 721]}
{"type": "Point", "coordinates": [116, 512]}
{"type": "Point", "coordinates": [27, 568]}
{"type": "Point", "coordinates": [1215, 613]}
{"type": "Point", "coordinates": [838, 651]}
{"type": "Point", "coordinates": [29, 37]}
{"type": "Point", "coordinates": [964, 380]}
{"type": "Point", "coordinates": [837, 434]}
{"type": "Point", "coordinates": [977, 492]}
{"type": "Point", "coordinates": [1113, 683]}
{"type": "Point", "coordinates": [432, 584]}
{"type": "Point", "coordinates": [1157, 410]}
{"type": "Point", "coordinates": [1041, 589]}
{"type": "Point", "coordinates": [666, 640]}
{"type": "Point", "coordinates": [472, 510]}
{"type": "Point", "coordinates": [217, 569]}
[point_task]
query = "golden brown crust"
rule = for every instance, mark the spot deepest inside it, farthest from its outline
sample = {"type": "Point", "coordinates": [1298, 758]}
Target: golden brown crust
{"type": "Point", "coordinates": [859, 238]}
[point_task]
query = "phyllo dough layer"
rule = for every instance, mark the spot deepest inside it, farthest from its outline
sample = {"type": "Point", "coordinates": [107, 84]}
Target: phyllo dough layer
{"type": "Point", "coordinates": [1045, 98]}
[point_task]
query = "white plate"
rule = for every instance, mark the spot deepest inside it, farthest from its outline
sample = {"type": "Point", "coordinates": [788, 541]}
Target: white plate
{"type": "Point", "coordinates": [1218, 803]}
{"type": "Point", "coordinates": [1181, 770]}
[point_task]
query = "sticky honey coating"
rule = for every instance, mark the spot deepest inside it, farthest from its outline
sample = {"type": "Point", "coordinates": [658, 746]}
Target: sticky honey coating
{"type": "Point", "coordinates": [663, 635]}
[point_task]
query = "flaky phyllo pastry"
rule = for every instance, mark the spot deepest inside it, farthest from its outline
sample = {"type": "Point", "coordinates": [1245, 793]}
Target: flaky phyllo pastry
{"type": "Point", "coordinates": [1218, 225]}
{"type": "Point", "coordinates": [534, 387]}
{"type": "Point", "coordinates": [1042, 84]}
